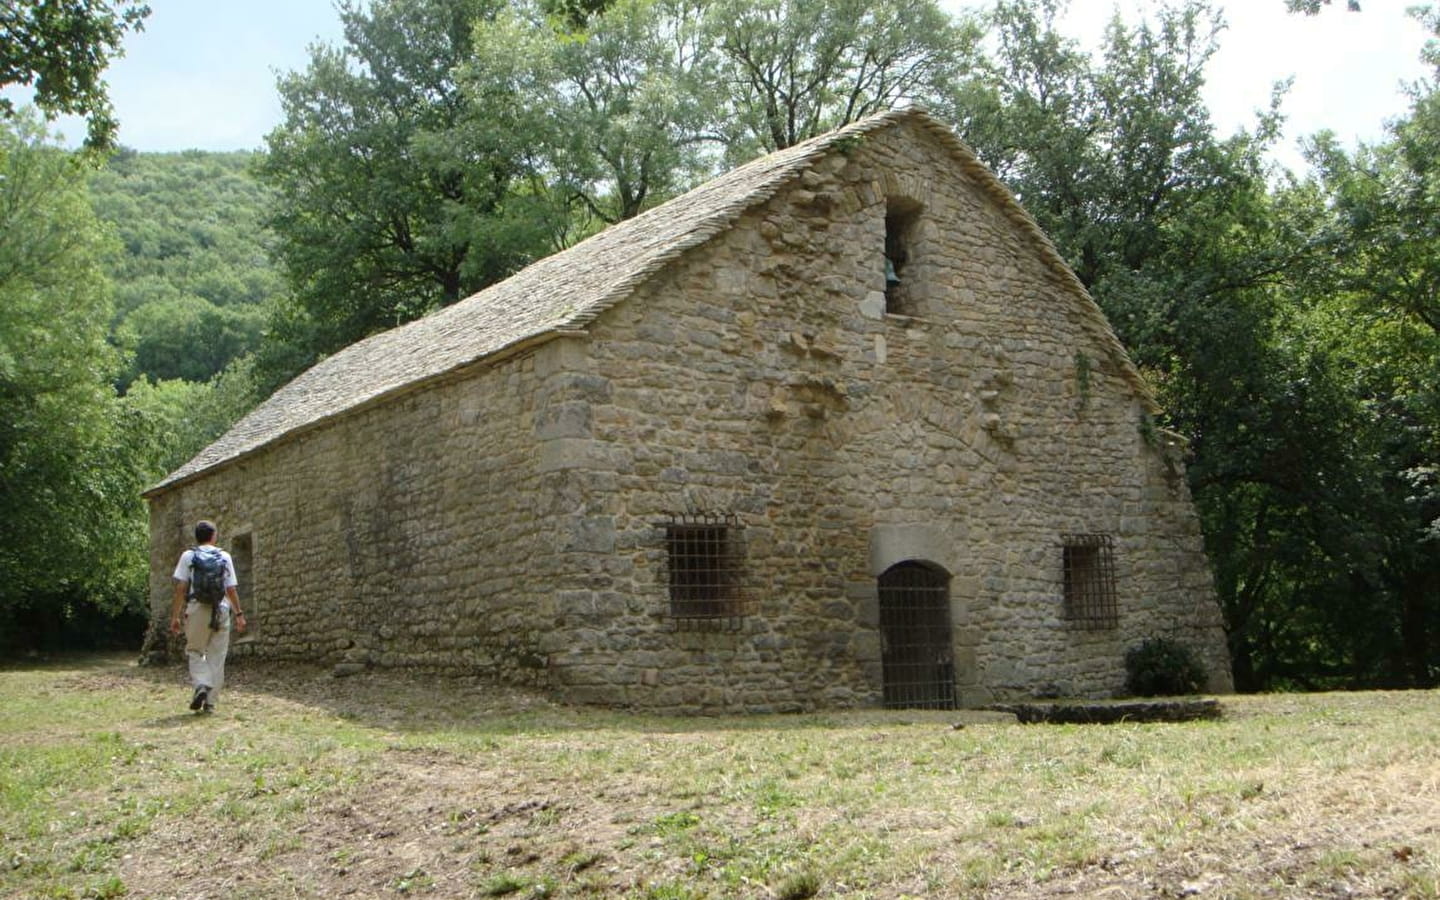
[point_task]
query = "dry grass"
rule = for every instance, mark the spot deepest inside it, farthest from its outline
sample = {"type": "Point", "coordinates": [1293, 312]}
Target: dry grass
{"type": "Point", "coordinates": [387, 785]}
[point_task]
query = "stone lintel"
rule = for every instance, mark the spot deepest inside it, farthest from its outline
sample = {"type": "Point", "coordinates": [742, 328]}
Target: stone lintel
{"type": "Point", "coordinates": [891, 544]}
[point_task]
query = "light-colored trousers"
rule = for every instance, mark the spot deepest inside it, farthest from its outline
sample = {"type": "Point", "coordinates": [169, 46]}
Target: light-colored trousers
{"type": "Point", "coordinates": [205, 650]}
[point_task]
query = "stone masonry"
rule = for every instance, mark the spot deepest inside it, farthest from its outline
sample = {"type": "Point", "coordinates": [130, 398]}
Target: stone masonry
{"type": "Point", "coordinates": [509, 517]}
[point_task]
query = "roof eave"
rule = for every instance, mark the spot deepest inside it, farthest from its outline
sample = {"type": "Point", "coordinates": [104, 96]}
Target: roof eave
{"type": "Point", "coordinates": [453, 374]}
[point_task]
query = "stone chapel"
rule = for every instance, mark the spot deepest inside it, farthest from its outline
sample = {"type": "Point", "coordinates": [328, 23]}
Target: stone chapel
{"type": "Point", "coordinates": [838, 428]}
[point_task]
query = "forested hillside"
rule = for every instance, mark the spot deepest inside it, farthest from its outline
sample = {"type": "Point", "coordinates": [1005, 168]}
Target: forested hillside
{"type": "Point", "coordinates": [194, 283]}
{"type": "Point", "coordinates": [133, 292]}
{"type": "Point", "coordinates": [194, 272]}
{"type": "Point", "coordinates": [1287, 322]}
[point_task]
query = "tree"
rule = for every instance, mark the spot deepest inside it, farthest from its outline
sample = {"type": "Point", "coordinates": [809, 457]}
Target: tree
{"type": "Point", "coordinates": [575, 14]}
{"type": "Point", "coordinates": [1313, 7]}
{"type": "Point", "coordinates": [797, 68]}
{"type": "Point", "coordinates": [627, 103]}
{"type": "Point", "coordinates": [1386, 204]}
{"type": "Point", "coordinates": [61, 48]}
{"type": "Point", "coordinates": [1112, 158]}
{"type": "Point", "coordinates": [613, 113]}
{"type": "Point", "coordinates": [183, 417]}
{"type": "Point", "coordinates": [1209, 276]}
{"type": "Point", "coordinates": [386, 207]}
{"type": "Point", "coordinates": [194, 278]}
{"type": "Point", "coordinates": [188, 337]}
{"type": "Point", "coordinates": [71, 523]}
{"type": "Point", "coordinates": [1379, 241]}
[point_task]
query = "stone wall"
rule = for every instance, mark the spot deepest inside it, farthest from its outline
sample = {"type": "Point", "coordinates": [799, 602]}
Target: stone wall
{"type": "Point", "coordinates": [511, 520]}
{"type": "Point", "coordinates": [404, 535]}
{"type": "Point", "coordinates": [761, 377]}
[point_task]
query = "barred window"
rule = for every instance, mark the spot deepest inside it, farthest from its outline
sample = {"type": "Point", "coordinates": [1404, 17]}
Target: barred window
{"type": "Point", "coordinates": [706, 554]}
{"type": "Point", "coordinates": [1090, 581]}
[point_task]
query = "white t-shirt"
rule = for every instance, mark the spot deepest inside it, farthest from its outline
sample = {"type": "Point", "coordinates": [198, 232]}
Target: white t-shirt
{"type": "Point", "coordinates": [182, 572]}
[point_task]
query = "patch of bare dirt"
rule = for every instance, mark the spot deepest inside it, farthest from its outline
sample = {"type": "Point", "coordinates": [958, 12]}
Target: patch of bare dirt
{"type": "Point", "coordinates": [423, 822]}
{"type": "Point", "coordinates": [431, 821]}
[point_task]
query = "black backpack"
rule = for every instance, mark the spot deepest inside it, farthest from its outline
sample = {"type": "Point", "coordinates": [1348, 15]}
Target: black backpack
{"type": "Point", "coordinates": [207, 580]}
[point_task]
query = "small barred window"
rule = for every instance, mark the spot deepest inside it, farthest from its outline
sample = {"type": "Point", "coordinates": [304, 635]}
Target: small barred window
{"type": "Point", "coordinates": [706, 554]}
{"type": "Point", "coordinates": [1090, 581]}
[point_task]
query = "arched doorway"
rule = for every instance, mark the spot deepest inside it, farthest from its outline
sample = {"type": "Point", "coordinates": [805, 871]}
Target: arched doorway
{"type": "Point", "coordinates": [917, 640]}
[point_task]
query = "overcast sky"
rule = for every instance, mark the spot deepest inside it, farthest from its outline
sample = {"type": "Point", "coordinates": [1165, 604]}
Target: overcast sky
{"type": "Point", "coordinates": [202, 73]}
{"type": "Point", "coordinates": [1348, 68]}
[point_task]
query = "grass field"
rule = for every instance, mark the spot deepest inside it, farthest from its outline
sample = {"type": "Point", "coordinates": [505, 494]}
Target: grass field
{"type": "Point", "coordinates": [303, 785]}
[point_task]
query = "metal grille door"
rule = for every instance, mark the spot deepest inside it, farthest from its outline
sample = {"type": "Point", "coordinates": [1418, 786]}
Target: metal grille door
{"type": "Point", "coordinates": [918, 653]}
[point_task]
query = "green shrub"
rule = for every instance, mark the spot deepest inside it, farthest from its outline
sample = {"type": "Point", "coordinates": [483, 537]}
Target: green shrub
{"type": "Point", "coordinates": [1163, 667]}
{"type": "Point", "coordinates": [798, 886]}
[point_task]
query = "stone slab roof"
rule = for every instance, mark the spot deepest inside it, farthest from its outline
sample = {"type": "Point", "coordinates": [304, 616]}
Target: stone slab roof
{"type": "Point", "coordinates": [564, 292]}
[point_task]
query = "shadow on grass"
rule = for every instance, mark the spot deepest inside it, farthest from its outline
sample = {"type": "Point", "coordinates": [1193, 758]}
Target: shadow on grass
{"type": "Point", "coordinates": [407, 701]}
{"type": "Point", "coordinates": [78, 661]}
{"type": "Point", "coordinates": [178, 720]}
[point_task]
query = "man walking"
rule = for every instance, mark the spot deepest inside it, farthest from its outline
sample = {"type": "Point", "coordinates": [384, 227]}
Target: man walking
{"type": "Point", "coordinates": [207, 618]}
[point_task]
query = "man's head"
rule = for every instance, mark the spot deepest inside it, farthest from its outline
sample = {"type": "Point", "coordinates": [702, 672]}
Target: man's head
{"type": "Point", "coordinates": [204, 531]}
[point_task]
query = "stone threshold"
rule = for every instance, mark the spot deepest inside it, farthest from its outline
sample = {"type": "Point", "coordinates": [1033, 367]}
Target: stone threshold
{"type": "Point", "coordinates": [1110, 712]}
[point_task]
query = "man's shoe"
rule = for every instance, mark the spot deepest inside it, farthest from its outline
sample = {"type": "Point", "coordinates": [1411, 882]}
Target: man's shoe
{"type": "Point", "coordinates": [202, 695]}
{"type": "Point", "coordinates": [208, 708]}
